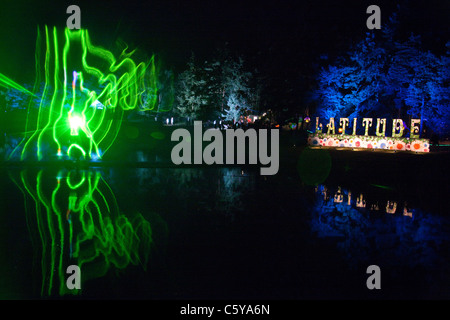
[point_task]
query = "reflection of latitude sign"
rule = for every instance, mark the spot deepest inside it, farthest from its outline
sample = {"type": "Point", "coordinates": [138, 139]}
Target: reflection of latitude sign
{"type": "Point", "coordinates": [395, 142]}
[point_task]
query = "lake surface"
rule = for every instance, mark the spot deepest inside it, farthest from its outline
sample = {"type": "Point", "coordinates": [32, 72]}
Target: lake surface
{"type": "Point", "coordinates": [149, 232]}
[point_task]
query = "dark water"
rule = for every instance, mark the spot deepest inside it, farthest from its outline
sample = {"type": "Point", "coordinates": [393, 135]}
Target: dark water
{"type": "Point", "coordinates": [222, 233]}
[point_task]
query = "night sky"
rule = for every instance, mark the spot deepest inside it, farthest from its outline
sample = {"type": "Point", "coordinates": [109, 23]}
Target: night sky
{"type": "Point", "coordinates": [282, 39]}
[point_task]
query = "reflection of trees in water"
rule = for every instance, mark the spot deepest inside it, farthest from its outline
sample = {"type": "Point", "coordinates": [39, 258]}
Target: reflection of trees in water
{"type": "Point", "coordinates": [233, 185]}
{"type": "Point", "coordinates": [187, 181]}
{"type": "Point", "coordinates": [368, 236]}
{"type": "Point", "coordinates": [219, 190]}
{"type": "Point", "coordinates": [75, 217]}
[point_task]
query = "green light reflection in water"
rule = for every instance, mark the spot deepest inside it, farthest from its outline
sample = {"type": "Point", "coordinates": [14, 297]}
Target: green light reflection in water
{"type": "Point", "coordinates": [75, 219]}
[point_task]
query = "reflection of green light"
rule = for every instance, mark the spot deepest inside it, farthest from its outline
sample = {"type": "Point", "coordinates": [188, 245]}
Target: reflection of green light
{"type": "Point", "coordinates": [157, 135]}
{"type": "Point", "coordinates": [382, 187]}
{"type": "Point", "coordinates": [314, 166]}
{"type": "Point", "coordinates": [76, 186]}
{"type": "Point", "coordinates": [80, 223]}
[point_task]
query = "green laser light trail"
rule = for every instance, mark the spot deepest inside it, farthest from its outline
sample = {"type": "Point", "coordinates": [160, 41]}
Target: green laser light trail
{"type": "Point", "coordinates": [86, 92]}
{"type": "Point", "coordinates": [8, 83]}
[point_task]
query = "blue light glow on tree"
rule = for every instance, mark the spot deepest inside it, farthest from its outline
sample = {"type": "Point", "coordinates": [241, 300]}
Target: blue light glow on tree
{"type": "Point", "coordinates": [384, 77]}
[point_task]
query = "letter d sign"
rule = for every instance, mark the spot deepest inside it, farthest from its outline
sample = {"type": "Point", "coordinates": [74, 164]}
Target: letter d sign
{"type": "Point", "coordinates": [74, 281]}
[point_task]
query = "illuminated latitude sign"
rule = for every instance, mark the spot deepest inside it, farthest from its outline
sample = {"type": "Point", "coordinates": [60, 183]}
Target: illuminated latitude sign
{"type": "Point", "coordinates": [330, 138]}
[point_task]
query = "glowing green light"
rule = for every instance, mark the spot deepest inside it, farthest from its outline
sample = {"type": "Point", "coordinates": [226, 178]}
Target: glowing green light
{"type": "Point", "coordinates": [86, 91]}
{"type": "Point", "coordinates": [77, 147]}
{"type": "Point", "coordinates": [76, 122]}
{"type": "Point", "coordinates": [85, 94]}
{"type": "Point", "coordinates": [8, 83]}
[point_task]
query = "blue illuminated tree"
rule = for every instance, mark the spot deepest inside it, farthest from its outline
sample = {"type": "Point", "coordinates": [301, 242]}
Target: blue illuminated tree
{"type": "Point", "coordinates": [351, 87]}
{"type": "Point", "coordinates": [418, 81]}
{"type": "Point", "coordinates": [386, 77]}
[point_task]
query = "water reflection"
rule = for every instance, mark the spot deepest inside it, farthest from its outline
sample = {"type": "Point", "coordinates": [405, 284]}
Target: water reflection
{"type": "Point", "coordinates": [371, 230]}
{"type": "Point", "coordinates": [104, 220]}
{"type": "Point", "coordinates": [73, 218]}
{"type": "Point", "coordinates": [338, 197]}
{"type": "Point", "coordinates": [213, 190]}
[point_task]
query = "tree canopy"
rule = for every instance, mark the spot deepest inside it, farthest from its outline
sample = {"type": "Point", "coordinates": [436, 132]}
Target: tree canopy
{"type": "Point", "coordinates": [220, 88]}
{"type": "Point", "coordinates": [382, 76]}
